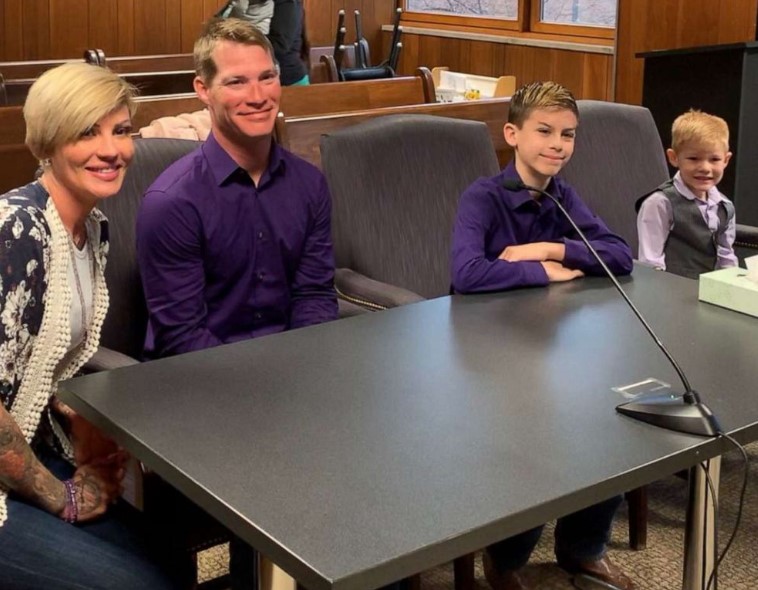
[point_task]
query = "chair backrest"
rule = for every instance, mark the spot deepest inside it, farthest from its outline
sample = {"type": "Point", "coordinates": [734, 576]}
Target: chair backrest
{"type": "Point", "coordinates": [126, 322]}
{"type": "Point", "coordinates": [395, 185]}
{"type": "Point", "coordinates": [618, 158]}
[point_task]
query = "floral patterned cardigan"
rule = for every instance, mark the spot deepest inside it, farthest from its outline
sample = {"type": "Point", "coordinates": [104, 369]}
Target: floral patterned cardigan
{"type": "Point", "coordinates": [35, 307]}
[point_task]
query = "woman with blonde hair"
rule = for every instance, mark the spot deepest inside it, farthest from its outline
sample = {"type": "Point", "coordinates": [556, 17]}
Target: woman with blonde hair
{"type": "Point", "coordinates": [61, 523]}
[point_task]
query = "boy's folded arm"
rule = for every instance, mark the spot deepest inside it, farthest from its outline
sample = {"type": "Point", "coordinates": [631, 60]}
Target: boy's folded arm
{"type": "Point", "coordinates": [477, 274]}
{"type": "Point", "coordinates": [536, 251]}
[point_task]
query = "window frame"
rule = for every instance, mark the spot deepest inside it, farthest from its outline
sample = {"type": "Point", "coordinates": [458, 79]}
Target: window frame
{"type": "Point", "coordinates": [536, 25]}
{"type": "Point", "coordinates": [528, 21]}
{"type": "Point", "coordinates": [469, 22]}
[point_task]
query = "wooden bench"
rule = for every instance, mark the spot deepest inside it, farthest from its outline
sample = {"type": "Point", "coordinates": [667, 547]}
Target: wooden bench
{"type": "Point", "coordinates": [148, 83]}
{"type": "Point", "coordinates": [16, 70]}
{"type": "Point", "coordinates": [302, 135]}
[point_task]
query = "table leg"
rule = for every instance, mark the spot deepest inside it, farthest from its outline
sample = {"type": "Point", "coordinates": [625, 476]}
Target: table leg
{"type": "Point", "coordinates": [699, 533]}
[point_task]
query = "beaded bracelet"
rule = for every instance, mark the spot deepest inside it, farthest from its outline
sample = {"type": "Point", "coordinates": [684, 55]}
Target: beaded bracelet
{"type": "Point", "coordinates": [71, 511]}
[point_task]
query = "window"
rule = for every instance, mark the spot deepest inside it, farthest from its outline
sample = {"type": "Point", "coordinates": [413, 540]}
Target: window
{"type": "Point", "coordinates": [589, 18]}
{"type": "Point", "coordinates": [507, 9]}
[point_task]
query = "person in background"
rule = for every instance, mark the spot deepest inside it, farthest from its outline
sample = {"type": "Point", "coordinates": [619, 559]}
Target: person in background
{"type": "Point", "coordinates": [258, 12]}
{"type": "Point", "coordinates": [61, 523]}
{"type": "Point", "coordinates": [505, 239]}
{"type": "Point", "coordinates": [288, 37]}
{"type": "Point", "coordinates": [686, 226]}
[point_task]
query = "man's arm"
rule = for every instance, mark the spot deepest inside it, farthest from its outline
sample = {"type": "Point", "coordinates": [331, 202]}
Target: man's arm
{"type": "Point", "coordinates": [613, 250]}
{"type": "Point", "coordinates": [314, 300]}
{"type": "Point", "coordinates": [471, 270]}
{"type": "Point", "coordinates": [169, 253]}
{"type": "Point", "coordinates": [653, 226]}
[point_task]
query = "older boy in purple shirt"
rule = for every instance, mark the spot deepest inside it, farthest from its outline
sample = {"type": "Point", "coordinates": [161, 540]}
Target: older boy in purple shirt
{"type": "Point", "coordinates": [234, 239]}
{"type": "Point", "coordinates": [505, 239]}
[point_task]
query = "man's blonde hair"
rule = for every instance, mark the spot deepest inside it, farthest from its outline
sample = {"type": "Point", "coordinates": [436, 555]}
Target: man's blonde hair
{"type": "Point", "coordinates": [539, 95]}
{"type": "Point", "coordinates": [66, 101]}
{"type": "Point", "coordinates": [697, 127]}
{"type": "Point", "coordinates": [225, 29]}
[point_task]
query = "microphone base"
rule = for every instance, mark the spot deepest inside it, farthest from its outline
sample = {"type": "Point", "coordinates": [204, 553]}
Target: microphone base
{"type": "Point", "coordinates": [673, 413]}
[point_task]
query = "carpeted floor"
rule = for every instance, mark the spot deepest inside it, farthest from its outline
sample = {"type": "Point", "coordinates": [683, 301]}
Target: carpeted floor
{"type": "Point", "coordinates": [659, 567]}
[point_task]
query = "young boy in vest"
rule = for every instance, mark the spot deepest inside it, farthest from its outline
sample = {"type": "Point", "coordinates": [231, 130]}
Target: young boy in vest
{"type": "Point", "coordinates": [505, 239]}
{"type": "Point", "coordinates": [687, 226]}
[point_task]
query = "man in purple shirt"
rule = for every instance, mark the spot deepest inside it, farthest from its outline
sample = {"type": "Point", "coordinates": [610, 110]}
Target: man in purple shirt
{"type": "Point", "coordinates": [234, 239]}
{"type": "Point", "coordinates": [505, 239]}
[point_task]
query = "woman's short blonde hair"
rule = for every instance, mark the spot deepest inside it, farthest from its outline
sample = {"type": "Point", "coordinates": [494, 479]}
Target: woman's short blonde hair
{"type": "Point", "coordinates": [66, 101]}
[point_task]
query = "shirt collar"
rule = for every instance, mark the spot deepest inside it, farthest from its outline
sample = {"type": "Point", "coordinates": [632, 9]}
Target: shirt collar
{"type": "Point", "coordinates": [516, 199]}
{"type": "Point", "coordinates": [223, 167]}
{"type": "Point", "coordinates": [713, 195]}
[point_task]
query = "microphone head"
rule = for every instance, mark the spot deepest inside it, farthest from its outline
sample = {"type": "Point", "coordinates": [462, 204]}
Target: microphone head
{"type": "Point", "coordinates": [513, 184]}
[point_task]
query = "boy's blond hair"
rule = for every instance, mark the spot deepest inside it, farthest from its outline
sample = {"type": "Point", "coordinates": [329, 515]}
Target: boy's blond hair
{"type": "Point", "coordinates": [216, 30]}
{"type": "Point", "coordinates": [699, 128]}
{"type": "Point", "coordinates": [539, 95]}
{"type": "Point", "coordinates": [68, 100]}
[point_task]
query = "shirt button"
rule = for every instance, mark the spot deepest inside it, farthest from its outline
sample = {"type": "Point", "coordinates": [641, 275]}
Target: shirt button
{"type": "Point", "coordinates": [258, 315]}
{"type": "Point", "coordinates": [260, 276]}
{"type": "Point", "coordinates": [260, 235]}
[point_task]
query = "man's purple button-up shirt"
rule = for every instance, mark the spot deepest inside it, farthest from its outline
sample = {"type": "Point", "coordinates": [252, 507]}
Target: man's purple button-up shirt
{"type": "Point", "coordinates": [223, 260]}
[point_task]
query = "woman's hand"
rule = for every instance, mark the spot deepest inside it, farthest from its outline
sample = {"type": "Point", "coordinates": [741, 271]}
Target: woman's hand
{"type": "Point", "coordinates": [91, 446]}
{"type": "Point", "coordinates": [93, 491]}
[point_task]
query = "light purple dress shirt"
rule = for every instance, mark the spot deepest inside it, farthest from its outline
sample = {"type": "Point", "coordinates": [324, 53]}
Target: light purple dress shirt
{"type": "Point", "coordinates": [656, 219]}
{"type": "Point", "coordinates": [223, 260]}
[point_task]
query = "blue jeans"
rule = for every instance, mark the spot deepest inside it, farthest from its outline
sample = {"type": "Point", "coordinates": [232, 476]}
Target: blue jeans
{"type": "Point", "coordinates": [39, 550]}
{"type": "Point", "coordinates": [581, 536]}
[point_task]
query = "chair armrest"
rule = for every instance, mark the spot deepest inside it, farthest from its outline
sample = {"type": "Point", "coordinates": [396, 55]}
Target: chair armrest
{"type": "Point", "coordinates": [106, 359]}
{"type": "Point", "coordinates": [747, 236]}
{"type": "Point", "coordinates": [368, 293]}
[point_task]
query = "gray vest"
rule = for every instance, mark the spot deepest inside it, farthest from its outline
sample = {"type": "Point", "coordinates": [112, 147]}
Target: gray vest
{"type": "Point", "coordinates": [691, 246]}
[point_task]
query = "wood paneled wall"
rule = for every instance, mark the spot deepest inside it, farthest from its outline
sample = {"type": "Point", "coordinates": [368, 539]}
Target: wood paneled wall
{"type": "Point", "coordinates": [53, 29]}
{"type": "Point", "coordinates": [321, 21]}
{"type": "Point", "coordinates": [646, 25]}
{"type": "Point", "coordinates": [587, 75]}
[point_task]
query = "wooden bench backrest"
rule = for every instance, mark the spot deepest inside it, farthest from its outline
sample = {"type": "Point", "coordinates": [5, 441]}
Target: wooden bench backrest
{"type": "Point", "coordinates": [15, 70]}
{"type": "Point", "coordinates": [148, 84]}
{"type": "Point", "coordinates": [302, 135]}
{"type": "Point", "coordinates": [340, 97]}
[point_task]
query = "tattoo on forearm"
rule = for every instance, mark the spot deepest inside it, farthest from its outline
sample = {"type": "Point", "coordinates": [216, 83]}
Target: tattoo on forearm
{"type": "Point", "coordinates": [21, 472]}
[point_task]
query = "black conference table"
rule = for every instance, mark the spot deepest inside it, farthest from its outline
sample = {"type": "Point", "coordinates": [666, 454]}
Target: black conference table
{"type": "Point", "coordinates": [359, 452]}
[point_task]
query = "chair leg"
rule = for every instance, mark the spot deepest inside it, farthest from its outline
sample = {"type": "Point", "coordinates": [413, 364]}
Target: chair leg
{"type": "Point", "coordinates": [464, 572]}
{"type": "Point", "coordinates": [637, 500]}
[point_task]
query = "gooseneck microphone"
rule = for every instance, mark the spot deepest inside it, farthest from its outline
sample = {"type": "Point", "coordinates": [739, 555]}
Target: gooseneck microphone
{"type": "Point", "coordinates": [682, 414]}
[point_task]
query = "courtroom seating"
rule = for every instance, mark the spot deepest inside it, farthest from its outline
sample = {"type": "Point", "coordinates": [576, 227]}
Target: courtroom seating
{"type": "Point", "coordinates": [618, 157]}
{"type": "Point", "coordinates": [302, 135]}
{"type": "Point", "coordinates": [395, 183]}
{"type": "Point", "coordinates": [355, 96]}
{"type": "Point", "coordinates": [746, 242]}
{"type": "Point", "coordinates": [147, 83]}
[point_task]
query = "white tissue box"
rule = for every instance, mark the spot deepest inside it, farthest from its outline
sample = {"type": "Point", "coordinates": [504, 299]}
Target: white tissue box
{"type": "Point", "coordinates": [730, 288]}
